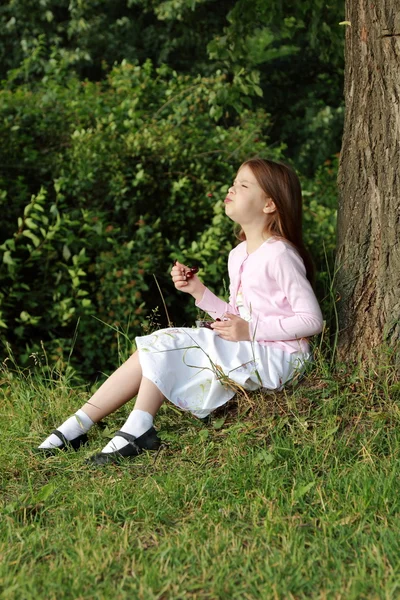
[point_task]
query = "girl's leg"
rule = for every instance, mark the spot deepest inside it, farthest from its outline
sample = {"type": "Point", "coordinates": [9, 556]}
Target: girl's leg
{"type": "Point", "coordinates": [116, 391]}
{"type": "Point", "coordinates": [120, 387]}
{"type": "Point", "coordinates": [149, 397]}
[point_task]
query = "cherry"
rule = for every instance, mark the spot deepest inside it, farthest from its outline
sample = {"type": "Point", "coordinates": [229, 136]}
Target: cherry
{"type": "Point", "coordinates": [206, 324]}
{"type": "Point", "coordinates": [192, 271]}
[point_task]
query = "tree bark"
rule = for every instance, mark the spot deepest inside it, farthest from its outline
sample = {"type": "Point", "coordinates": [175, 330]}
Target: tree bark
{"type": "Point", "coordinates": [368, 246]}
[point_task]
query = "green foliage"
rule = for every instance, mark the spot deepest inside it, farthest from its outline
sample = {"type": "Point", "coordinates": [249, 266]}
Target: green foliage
{"type": "Point", "coordinates": [108, 173]}
{"type": "Point", "coordinates": [297, 50]}
{"type": "Point", "coordinates": [320, 204]}
{"type": "Point", "coordinates": [105, 185]}
{"type": "Point", "coordinates": [90, 36]}
{"type": "Point", "coordinates": [294, 54]}
{"type": "Point", "coordinates": [319, 225]}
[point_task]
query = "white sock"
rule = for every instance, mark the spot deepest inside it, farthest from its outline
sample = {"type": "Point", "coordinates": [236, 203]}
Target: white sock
{"type": "Point", "coordinates": [137, 423]}
{"type": "Point", "coordinates": [72, 428]}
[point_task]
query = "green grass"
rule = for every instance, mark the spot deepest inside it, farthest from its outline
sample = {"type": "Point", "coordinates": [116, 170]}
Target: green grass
{"type": "Point", "coordinates": [296, 497]}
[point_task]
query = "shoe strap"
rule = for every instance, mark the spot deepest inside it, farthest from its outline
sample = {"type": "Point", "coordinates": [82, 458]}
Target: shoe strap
{"type": "Point", "coordinates": [61, 437]}
{"type": "Point", "coordinates": [131, 439]}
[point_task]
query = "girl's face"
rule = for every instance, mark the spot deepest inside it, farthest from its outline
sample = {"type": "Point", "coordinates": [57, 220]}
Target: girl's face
{"type": "Point", "coordinates": [246, 202]}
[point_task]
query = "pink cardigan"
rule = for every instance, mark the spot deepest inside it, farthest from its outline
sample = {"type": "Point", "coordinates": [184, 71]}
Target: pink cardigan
{"type": "Point", "coordinates": [277, 293]}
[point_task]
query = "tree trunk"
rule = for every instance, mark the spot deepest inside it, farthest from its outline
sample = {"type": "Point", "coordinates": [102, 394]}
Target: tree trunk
{"type": "Point", "coordinates": [368, 247]}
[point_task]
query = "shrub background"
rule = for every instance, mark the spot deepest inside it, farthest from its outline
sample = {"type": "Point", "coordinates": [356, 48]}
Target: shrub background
{"type": "Point", "coordinates": [109, 175]}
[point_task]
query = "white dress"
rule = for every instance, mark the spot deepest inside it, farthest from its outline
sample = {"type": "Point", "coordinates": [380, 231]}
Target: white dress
{"type": "Point", "coordinates": [198, 371]}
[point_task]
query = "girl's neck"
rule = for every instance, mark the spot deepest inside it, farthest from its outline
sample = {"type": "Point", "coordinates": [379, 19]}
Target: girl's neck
{"type": "Point", "coordinates": [252, 247]}
{"type": "Point", "coordinates": [254, 239]}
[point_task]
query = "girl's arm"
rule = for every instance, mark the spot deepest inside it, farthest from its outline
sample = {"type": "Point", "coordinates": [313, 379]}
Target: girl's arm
{"type": "Point", "coordinates": [213, 305]}
{"type": "Point", "coordinates": [289, 272]}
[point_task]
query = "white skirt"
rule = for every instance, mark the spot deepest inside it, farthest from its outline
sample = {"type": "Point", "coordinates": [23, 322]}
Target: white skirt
{"type": "Point", "coordinates": [198, 371]}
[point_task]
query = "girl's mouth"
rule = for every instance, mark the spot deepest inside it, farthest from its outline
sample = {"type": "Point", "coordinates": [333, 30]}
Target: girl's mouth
{"type": "Point", "coordinates": [227, 200]}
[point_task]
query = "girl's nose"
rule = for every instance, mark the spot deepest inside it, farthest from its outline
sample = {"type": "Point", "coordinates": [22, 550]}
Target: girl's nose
{"type": "Point", "coordinates": [231, 189]}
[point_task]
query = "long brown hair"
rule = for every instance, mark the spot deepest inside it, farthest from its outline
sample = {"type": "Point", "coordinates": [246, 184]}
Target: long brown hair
{"type": "Point", "coordinates": [280, 182]}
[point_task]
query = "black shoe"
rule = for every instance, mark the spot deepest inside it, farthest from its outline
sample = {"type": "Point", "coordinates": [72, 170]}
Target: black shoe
{"type": "Point", "coordinates": [74, 444]}
{"type": "Point", "coordinates": [149, 440]}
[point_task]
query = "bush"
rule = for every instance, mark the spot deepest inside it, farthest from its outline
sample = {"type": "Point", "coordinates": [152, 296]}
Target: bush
{"type": "Point", "coordinates": [105, 184]}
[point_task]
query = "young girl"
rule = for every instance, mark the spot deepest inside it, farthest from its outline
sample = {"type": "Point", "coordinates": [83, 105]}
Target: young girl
{"type": "Point", "coordinates": [257, 340]}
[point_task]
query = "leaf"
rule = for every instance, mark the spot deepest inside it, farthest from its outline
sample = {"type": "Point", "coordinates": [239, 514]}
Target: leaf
{"type": "Point", "coordinates": [7, 258]}
{"type": "Point", "coordinates": [32, 236]}
{"type": "Point", "coordinates": [31, 223]}
{"type": "Point", "coordinates": [66, 252]}
{"type": "Point", "coordinates": [263, 457]}
{"type": "Point", "coordinates": [45, 492]}
{"type": "Point", "coordinates": [10, 508]}
{"type": "Point", "coordinates": [107, 433]}
{"type": "Point", "coordinates": [204, 434]}
{"type": "Point", "coordinates": [217, 424]}
{"type": "Point", "coordinates": [330, 432]}
{"type": "Point", "coordinates": [304, 489]}
{"type": "Point", "coordinates": [345, 23]}
{"type": "Point", "coordinates": [27, 209]}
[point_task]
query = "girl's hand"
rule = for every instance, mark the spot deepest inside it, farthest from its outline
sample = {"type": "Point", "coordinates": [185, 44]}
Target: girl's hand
{"type": "Point", "coordinates": [235, 329]}
{"type": "Point", "coordinates": [190, 285]}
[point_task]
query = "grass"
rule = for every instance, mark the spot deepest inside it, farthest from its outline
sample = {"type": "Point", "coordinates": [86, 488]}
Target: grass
{"type": "Point", "coordinates": [297, 497]}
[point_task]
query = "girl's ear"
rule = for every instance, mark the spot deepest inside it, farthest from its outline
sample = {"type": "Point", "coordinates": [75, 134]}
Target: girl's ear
{"type": "Point", "coordinates": [269, 206]}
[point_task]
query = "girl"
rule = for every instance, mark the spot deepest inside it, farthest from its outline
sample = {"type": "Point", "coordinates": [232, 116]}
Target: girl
{"type": "Point", "coordinates": [258, 339]}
